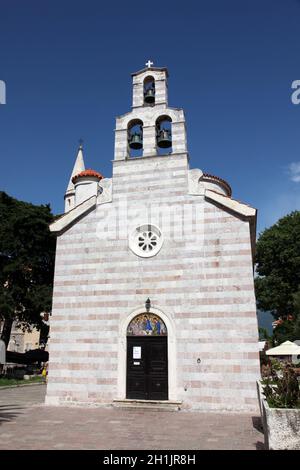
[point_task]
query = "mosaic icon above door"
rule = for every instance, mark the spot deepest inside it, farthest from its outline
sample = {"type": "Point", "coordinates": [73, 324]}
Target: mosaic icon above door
{"type": "Point", "coordinates": [147, 324]}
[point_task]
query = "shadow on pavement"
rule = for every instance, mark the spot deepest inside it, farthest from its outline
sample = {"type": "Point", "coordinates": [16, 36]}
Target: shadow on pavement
{"type": "Point", "coordinates": [9, 412]}
{"type": "Point", "coordinates": [259, 446]}
{"type": "Point", "coordinates": [257, 423]}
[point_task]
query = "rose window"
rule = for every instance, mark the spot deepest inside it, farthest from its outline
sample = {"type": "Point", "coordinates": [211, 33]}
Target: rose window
{"type": "Point", "coordinates": [146, 240]}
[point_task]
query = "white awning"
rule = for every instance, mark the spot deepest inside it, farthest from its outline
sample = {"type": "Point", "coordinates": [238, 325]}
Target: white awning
{"type": "Point", "coordinates": [285, 349]}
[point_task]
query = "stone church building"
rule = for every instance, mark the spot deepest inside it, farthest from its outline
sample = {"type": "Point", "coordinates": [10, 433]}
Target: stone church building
{"type": "Point", "coordinates": [153, 291]}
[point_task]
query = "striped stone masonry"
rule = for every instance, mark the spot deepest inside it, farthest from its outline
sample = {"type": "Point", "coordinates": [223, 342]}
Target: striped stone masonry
{"type": "Point", "coordinates": [201, 279]}
{"type": "Point", "coordinates": [161, 89]}
{"type": "Point", "coordinates": [148, 116]}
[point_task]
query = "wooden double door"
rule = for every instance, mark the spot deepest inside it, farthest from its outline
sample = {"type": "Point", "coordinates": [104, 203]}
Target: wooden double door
{"type": "Point", "coordinates": [147, 368]}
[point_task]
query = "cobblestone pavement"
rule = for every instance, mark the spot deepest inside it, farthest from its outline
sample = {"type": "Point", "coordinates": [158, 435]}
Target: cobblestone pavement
{"type": "Point", "coordinates": [25, 423]}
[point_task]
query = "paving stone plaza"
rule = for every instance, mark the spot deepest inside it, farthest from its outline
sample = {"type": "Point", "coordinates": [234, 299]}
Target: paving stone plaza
{"type": "Point", "coordinates": [26, 423]}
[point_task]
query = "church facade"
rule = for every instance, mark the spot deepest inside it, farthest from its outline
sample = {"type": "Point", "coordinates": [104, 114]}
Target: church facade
{"type": "Point", "coordinates": [153, 292]}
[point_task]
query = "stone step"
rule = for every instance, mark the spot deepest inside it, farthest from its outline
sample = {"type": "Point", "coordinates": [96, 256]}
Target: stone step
{"type": "Point", "coordinates": [151, 405]}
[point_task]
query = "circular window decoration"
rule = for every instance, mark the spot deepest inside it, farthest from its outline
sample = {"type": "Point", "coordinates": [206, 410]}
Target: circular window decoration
{"type": "Point", "coordinates": [146, 241]}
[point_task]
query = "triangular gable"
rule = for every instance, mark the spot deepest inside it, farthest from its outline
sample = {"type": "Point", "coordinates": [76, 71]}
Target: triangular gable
{"type": "Point", "coordinates": [70, 217]}
{"type": "Point", "coordinates": [244, 211]}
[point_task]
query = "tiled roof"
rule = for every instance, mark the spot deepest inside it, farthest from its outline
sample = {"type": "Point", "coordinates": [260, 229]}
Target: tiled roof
{"type": "Point", "coordinates": [219, 180]}
{"type": "Point", "coordinates": [87, 173]}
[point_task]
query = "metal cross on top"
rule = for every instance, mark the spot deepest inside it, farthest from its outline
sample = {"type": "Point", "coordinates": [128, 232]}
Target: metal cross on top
{"type": "Point", "coordinates": [149, 63]}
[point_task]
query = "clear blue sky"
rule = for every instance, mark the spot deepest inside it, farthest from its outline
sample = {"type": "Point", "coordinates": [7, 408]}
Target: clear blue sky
{"type": "Point", "coordinates": [67, 67]}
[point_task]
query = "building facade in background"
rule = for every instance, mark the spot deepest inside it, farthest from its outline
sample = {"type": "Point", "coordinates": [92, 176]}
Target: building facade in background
{"type": "Point", "coordinates": [22, 341]}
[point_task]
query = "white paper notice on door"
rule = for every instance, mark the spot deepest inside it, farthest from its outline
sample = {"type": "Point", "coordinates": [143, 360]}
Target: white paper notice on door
{"type": "Point", "coordinates": [137, 352]}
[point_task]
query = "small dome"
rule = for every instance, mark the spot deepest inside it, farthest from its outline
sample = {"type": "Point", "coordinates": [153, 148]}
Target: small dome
{"type": "Point", "coordinates": [219, 181]}
{"type": "Point", "coordinates": [86, 174]}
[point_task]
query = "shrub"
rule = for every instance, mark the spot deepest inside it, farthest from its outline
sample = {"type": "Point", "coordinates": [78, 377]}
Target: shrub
{"type": "Point", "coordinates": [281, 387]}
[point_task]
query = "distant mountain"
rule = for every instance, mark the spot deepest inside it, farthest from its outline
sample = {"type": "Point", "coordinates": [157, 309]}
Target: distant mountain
{"type": "Point", "coordinates": [265, 320]}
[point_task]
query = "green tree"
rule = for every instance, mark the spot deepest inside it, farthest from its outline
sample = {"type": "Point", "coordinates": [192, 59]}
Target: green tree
{"type": "Point", "coordinates": [263, 335]}
{"type": "Point", "coordinates": [27, 250]}
{"type": "Point", "coordinates": [278, 268]}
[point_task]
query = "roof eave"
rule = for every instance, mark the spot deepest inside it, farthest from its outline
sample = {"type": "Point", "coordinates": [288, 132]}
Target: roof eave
{"type": "Point", "coordinates": [242, 210]}
{"type": "Point", "coordinates": [70, 217]}
{"type": "Point", "coordinates": [154, 69]}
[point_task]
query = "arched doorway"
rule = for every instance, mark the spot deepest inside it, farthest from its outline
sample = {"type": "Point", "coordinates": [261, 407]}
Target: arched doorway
{"type": "Point", "coordinates": [147, 358]}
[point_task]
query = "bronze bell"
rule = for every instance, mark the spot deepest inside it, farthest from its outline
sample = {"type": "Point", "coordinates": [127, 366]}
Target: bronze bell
{"type": "Point", "coordinates": [164, 139]}
{"type": "Point", "coordinates": [149, 96]}
{"type": "Point", "coordinates": [136, 141]}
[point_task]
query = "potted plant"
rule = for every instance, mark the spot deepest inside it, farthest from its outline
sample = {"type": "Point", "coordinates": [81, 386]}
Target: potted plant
{"type": "Point", "coordinates": [280, 407]}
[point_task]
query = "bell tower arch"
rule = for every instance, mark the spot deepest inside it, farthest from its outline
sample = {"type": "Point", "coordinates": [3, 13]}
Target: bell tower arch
{"type": "Point", "coordinates": [156, 77]}
{"type": "Point", "coordinates": [150, 107]}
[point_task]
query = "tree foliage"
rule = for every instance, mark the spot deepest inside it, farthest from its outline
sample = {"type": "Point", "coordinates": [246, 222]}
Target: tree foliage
{"type": "Point", "coordinates": [278, 267]}
{"type": "Point", "coordinates": [27, 250]}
